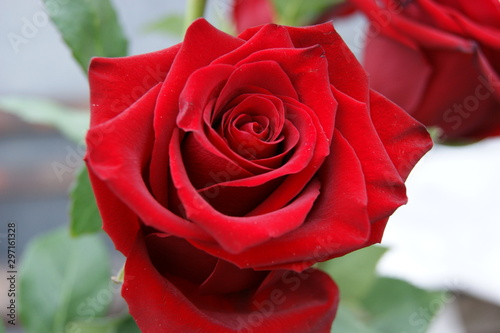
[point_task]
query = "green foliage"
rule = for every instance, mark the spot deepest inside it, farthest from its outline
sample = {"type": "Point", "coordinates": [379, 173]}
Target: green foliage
{"type": "Point", "coordinates": [397, 306]}
{"type": "Point", "coordinates": [84, 214]}
{"type": "Point", "coordinates": [374, 304]}
{"type": "Point", "coordinates": [348, 321]}
{"type": "Point", "coordinates": [63, 279]}
{"type": "Point", "coordinates": [72, 122]}
{"type": "Point", "coordinates": [89, 27]}
{"type": "Point", "coordinates": [194, 10]}
{"type": "Point", "coordinates": [171, 24]}
{"type": "Point", "coordinates": [301, 12]}
{"type": "Point", "coordinates": [123, 324]}
{"type": "Point", "coordinates": [96, 326]}
{"type": "Point", "coordinates": [355, 273]}
{"type": "Point", "coordinates": [127, 325]}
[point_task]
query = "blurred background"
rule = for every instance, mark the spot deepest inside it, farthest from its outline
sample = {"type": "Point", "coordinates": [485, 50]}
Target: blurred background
{"type": "Point", "coordinates": [446, 237]}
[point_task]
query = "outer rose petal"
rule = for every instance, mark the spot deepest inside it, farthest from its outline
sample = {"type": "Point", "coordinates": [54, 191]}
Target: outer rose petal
{"type": "Point", "coordinates": [286, 301]}
{"type": "Point", "coordinates": [384, 186]}
{"type": "Point", "coordinates": [340, 59]}
{"type": "Point", "coordinates": [119, 221]}
{"type": "Point", "coordinates": [270, 36]}
{"type": "Point", "coordinates": [114, 86]}
{"type": "Point", "coordinates": [119, 160]}
{"type": "Point", "coordinates": [404, 138]}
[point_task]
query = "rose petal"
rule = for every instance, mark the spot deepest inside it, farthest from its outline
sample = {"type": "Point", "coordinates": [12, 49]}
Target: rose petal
{"type": "Point", "coordinates": [385, 188]}
{"type": "Point", "coordinates": [227, 278]}
{"type": "Point", "coordinates": [176, 258]}
{"type": "Point", "coordinates": [205, 165]}
{"type": "Point", "coordinates": [337, 224]}
{"type": "Point", "coordinates": [416, 34]}
{"type": "Point", "coordinates": [114, 86]}
{"type": "Point", "coordinates": [440, 106]}
{"type": "Point", "coordinates": [232, 200]}
{"type": "Point", "coordinates": [202, 86]}
{"type": "Point", "coordinates": [288, 301]}
{"type": "Point", "coordinates": [235, 234]}
{"type": "Point", "coordinates": [487, 13]}
{"type": "Point", "coordinates": [249, 75]}
{"type": "Point", "coordinates": [301, 162]}
{"type": "Point", "coordinates": [409, 63]}
{"type": "Point", "coordinates": [301, 166]}
{"type": "Point", "coordinates": [448, 18]}
{"type": "Point", "coordinates": [202, 44]}
{"type": "Point", "coordinates": [205, 146]}
{"type": "Point", "coordinates": [340, 60]}
{"type": "Point", "coordinates": [404, 138]}
{"type": "Point", "coordinates": [269, 36]}
{"type": "Point", "coordinates": [116, 162]}
{"type": "Point", "coordinates": [119, 221]}
{"type": "Point", "coordinates": [305, 67]}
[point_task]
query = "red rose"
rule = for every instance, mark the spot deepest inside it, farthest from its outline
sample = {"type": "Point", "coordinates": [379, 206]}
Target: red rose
{"type": "Point", "coordinates": [439, 60]}
{"type": "Point", "coordinates": [171, 286]}
{"type": "Point", "coordinates": [250, 13]}
{"type": "Point", "coordinates": [267, 151]}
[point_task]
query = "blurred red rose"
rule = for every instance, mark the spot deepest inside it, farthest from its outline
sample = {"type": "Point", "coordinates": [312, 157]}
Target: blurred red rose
{"type": "Point", "coordinates": [439, 60]}
{"type": "Point", "coordinates": [251, 13]}
{"type": "Point", "coordinates": [267, 151]}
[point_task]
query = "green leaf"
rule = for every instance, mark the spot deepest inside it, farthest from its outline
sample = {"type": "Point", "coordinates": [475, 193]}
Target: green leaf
{"type": "Point", "coordinates": [373, 304]}
{"type": "Point", "coordinates": [96, 326]}
{"type": "Point", "coordinates": [171, 24]}
{"type": "Point", "coordinates": [128, 325]}
{"type": "Point", "coordinates": [72, 122]}
{"type": "Point", "coordinates": [84, 214]}
{"type": "Point", "coordinates": [397, 306]}
{"type": "Point", "coordinates": [63, 279]}
{"type": "Point", "coordinates": [355, 273]}
{"type": "Point", "coordinates": [347, 321]}
{"type": "Point", "coordinates": [194, 10]}
{"type": "Point", "coordinates": [89, 27]}
{"type": "Point", "coordinates": [123, 324]}
{"type": "Point", "coordinates": [301, 12]}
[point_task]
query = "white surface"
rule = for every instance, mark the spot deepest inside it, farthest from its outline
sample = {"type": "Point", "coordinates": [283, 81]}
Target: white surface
{"type": "Point", "coordinates": [448, 321]}
{"type": "Point", "coordinates": [448, 235]}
